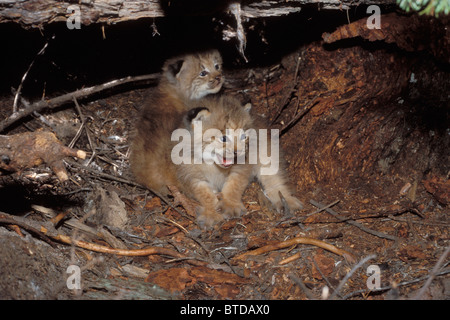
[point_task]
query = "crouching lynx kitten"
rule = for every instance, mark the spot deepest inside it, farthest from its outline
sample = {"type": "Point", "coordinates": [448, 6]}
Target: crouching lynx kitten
{"type": "Point", "coordinates": [202, 165]}
{"type": "Point", "coordinates": [226, 167]}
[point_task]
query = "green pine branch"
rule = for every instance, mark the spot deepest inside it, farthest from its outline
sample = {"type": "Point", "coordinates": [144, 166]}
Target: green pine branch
{"type": "Point", "coordinates": [427, 7]}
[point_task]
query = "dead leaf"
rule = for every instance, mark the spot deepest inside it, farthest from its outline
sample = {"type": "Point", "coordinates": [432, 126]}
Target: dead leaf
{"type": "Point", "coordinates": [166, 231]}
{"type": "Point", "coordinates": [175, 279]}
{"type": "Point", "coordinates": [411, 253]}
{"type": "Point", "coordinates": [227, 291]}
{"type": "Point", "coordinates": [178, 279]}
{"type": "Point", "coordinates": [153, 203]}
{"type": "Point", "coordinates": [324, 263]}
{"type": "Point", "coordinates": [211, 276]}
{"type": "Point", "coordinates": [439, 188]}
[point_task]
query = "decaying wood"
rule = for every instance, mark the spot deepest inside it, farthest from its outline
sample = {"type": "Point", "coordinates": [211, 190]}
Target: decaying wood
{"type": "Point", "coordinates": [26, 150]}
{"type": "Point", "coordinates": [410, 33]}
{"type": "Point", "coordinates": [439, 188]}
{"type": "Point", "coordinates": [224, 284]}
{"type": "Point", "coordinates": [357, 123]}
{"type": "Point", "coordinates": [37, 13]}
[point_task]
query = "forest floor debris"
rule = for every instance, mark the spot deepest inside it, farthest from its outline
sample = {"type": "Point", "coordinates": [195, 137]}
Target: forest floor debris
{"type": "Point", "coordinates": [156, 250]}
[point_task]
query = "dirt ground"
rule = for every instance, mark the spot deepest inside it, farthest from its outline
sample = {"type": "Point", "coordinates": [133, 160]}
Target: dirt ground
{"type": "Point", "coordinates": [391, 231]}
{"type": "Point", "coordinates": [32, 269]}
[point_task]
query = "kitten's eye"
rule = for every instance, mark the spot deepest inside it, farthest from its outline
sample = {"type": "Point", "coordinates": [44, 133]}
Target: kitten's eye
{"type": "Point", "coordinates": [204, 73]}
{"type": "Point", "coordinates": [217, 66]}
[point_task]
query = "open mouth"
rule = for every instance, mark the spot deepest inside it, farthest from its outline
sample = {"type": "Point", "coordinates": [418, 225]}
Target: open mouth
{"type": "Point", "coordinates": [224, 162]}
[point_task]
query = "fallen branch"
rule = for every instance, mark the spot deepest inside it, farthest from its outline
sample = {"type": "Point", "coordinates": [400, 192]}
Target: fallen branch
{"type": "Point", "coordinates": [105, 12]}
{"type": "Point", "coordinates": [4, 219]}
{"type": "Point", "coordinates": [295, 241]}
{"type": "Point", "coordinates": [354, 223]}
{"type": "Point", "coordinates": [46, 230]}
{"type": "Point", "coordinates": [68, 97]}
{"type": "Point", "coordinates": [126, 252]}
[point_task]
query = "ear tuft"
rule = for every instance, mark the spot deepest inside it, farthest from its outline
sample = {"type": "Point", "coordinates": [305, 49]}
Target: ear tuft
{"type": "Point", "coordinates": [172, 68]}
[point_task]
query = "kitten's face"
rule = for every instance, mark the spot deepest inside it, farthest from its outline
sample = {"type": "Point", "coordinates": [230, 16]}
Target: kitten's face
{"type": "Point", "coordinates": [196, 76]}
{"type": "Point", "coordinates": [224, 138]}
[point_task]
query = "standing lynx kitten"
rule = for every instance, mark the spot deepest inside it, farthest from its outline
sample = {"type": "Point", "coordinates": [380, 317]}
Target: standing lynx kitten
{"type": "Point", "coordinates": [185, 78]}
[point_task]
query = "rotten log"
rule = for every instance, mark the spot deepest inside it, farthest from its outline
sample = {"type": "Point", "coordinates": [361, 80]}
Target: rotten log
{"type": "Point", "coordinates": [36, 13]}
{"type": "Point", "coordinates": [30, 149]}
{"type": "Point", "coordinates": [410, 33]}
{"type": "Point", "coordinates": [383, 108]}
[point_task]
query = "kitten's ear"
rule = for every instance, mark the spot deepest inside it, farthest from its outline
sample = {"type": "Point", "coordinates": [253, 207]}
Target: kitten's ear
{"type": "Point", "coordinates": [216, 56]}
{"type": "Point", "coordinates": [172, 68]}
{"type": "Point", "coordinates": [248, 107]}
{"type": "Point", "coordinates": [196, 115]}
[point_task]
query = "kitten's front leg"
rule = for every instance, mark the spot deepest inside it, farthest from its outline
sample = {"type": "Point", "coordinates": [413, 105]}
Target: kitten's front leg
{"type": "Point", "coordinates": [231, 203]}
{"type": "Point", "coordinates": [207, 215]}
{"type": "Point", "coordinates": [272, 185]}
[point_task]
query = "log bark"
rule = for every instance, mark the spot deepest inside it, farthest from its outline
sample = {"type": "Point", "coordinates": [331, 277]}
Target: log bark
{"type": "Point", "coordinates": [36, 13]}
{"type": "Point", "coordinates": [410, 33]}
{"type": "Point", "coordinates": [379, 110]}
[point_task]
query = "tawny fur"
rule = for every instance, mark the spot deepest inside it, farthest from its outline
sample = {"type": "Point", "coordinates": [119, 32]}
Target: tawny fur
{"type": "Point", "coordinates": [184, 78]}
{"type": "Point", "coordinates": [203, 181]}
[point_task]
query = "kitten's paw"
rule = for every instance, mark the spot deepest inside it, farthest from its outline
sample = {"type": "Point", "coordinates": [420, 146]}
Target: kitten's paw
{"type": "Point", "coordinates": [293, 203]}
{"type": "Point", "coordinates": [231, 209]}
{"type": "Point", "coordinates": [287, 203]}
{"type": "Point", "coordinates": [206, 219]}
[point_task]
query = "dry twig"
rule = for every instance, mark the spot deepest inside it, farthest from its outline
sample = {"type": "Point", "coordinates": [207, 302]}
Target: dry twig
{"type": "Point", "coordinates": [393, 286]}
{"type": "Point", "coordinates": [432, 274]}
{"type": "Point", "coordinates": [46, 230]}
{"type": "Point", "coordinates": [19, 89]}
{"type": "Point", "coordinates": [127, 181]}
{"type": "Point", "coordinates": [354, 223]}
{"type": "Point", "coordinates": [349, 274]}
{"type": "Point", "coordinates": [295, 241]}
{"type": "Point", "coordinates": [65, 98]}
{"type": "Point", "coordinates": [299, 115]}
